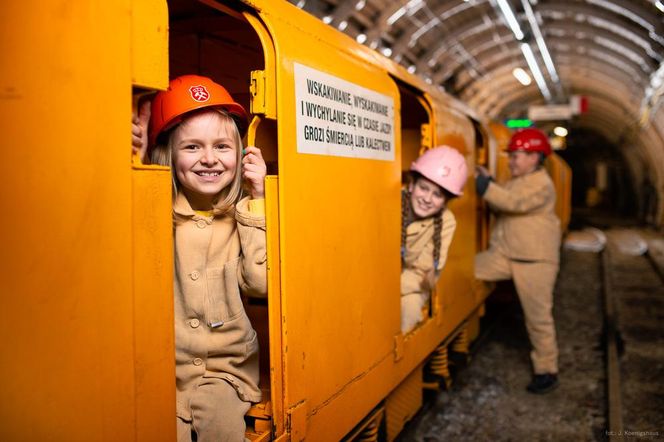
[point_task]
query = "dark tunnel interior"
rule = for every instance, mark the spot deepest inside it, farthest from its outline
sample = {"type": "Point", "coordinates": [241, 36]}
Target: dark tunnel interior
{"type": "Point", "coordinates": [602, 182]}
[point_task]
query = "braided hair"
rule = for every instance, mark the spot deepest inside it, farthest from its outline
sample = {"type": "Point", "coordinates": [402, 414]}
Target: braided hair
{"type": "Point", "coordinates": [437, 234]}
{"type": "Point", "coordinates": [406, 219]}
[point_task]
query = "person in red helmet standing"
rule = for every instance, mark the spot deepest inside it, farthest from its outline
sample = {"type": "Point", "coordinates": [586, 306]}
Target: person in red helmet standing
{"type": "Point", "coordinates": [427, 226]}
{"type": "Point", "coordinates": [219, 245]}
{"type": "Point", "coordinates": [524, 246]}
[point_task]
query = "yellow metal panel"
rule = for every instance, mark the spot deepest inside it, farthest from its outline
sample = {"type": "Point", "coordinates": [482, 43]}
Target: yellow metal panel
{"type": "Point", "coordinates": [149, 43]}
{"type": "Point", "coordinates": [274, 303]}
{"type": "Point", "coordinates": [153, 304]}
{"type": "Point", "coordinates": [263, 83]}
{"type": "Point", "coordinates": [67, 304]}
{"type": "Point", "coordinates": [561, 175]}
{"type": "Point", "coordinates": [456, 284]}
{"type": "Point", "coordinates": [340, 291]}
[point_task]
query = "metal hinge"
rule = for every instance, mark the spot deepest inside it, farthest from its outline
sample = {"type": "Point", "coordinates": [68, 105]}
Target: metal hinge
{"type": "Point", "coordinates": [257, 89]}
{"type": "Point", "coordinates": [398, 347]}
{"type": "Point", "coordinates": [425, 137]}
{"type": "Point", "coordinates": [297, 422]}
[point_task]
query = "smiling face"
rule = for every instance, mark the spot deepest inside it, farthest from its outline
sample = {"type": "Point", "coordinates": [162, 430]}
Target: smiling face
{"type": "Point", "coordinates": [205, 157]}
{"type": "Point", "coordinates": [426, 197]}
{"type": "Point", "coordinates": [522, 163]}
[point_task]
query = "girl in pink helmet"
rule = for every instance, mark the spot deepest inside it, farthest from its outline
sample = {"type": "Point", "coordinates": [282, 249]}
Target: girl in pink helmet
{"type": "Point", "coordinates": [219, 245]}
{"type": "Point", "coordinates": [427, 226]}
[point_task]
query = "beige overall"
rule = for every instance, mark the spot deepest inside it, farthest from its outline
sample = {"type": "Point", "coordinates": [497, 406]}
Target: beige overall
{"type": "Point", "coordinates": [216, 259]}
{"type": "Point", "coordinates": [524, 246]}
{"type": "Point", "coordinates": [417, 275]}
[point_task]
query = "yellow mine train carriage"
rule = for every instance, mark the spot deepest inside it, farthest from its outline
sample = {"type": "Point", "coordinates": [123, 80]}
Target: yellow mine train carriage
{"type": "Point", "coordinates": [86, 310]}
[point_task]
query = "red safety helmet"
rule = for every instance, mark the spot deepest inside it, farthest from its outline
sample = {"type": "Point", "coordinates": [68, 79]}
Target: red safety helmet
{"type": "Point", "coordinates": [530, 140]}
{"type": "Point", "coordinates": [189, 93]}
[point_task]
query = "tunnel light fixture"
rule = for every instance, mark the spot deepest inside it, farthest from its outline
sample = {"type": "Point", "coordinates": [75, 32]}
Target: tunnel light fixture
{"type": "Point", "coordinates": [522, 76]}
{"type": "Point", "coordinates": [343, 25]}
{"type": "Point", "coordinates": [396, 16]}
{"type": "Point", "coordinates": [535, 70]}
{"type": "Point", "coordinates": [544, 51]}
{"type": "Point", "coordinates": [560, 131]}
{"type": "Point", "coordinates": [659, 5]}
{"type": "Point", "coordinates": [387, 52]}
{"type": "Point", "coordinates": [511, 19]}
{"type": "Point", "coordinates": [301, 3]}
{"type": "Point", "coordinates": [411, 8]}
{"type": "Point", "coordinates": [327, 19]}
{"type": "Point", "coordinates": [360, 5]}
{"type": "Point", "coordinates": [361, 38]}
{"type": "Point", "coordinates": [412, 69]}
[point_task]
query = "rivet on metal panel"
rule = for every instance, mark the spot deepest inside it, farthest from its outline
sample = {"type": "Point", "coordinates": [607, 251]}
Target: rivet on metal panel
{"type": "Point", "coordinates": [398, 347]}
{"type": "Point", "coordinates": [297, 422]}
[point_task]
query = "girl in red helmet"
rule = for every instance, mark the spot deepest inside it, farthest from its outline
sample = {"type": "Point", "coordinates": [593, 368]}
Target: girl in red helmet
{"type": "Point", "coordinates": [524, 246]}
{"type": "Point", "coordinates": [196, 128]}
{"type": "Point", "coordinates": [427, 226]}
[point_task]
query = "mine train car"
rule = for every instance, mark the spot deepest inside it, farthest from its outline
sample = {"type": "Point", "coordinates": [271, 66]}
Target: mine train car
{"type": "Point", "coordinates": [87, 307]}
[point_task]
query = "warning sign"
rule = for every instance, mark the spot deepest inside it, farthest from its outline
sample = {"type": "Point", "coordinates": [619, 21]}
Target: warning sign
{"type": "Point", "coordinates": [339, 118]}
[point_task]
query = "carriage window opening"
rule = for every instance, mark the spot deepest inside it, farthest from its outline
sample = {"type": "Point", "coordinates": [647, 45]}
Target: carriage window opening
{"type": "Point", "coordinates": [226, 48]}
{"type": "Point", "coordinates": [416, 283]}
{"type": "Point", "coordinates": [480, 144]}
{"type": "Point", "coordinates": [223, 46]}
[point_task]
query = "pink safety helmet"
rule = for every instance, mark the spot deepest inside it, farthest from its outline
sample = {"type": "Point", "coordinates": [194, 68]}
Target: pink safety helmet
{"type": "Point", "coordinates": [444, 166]}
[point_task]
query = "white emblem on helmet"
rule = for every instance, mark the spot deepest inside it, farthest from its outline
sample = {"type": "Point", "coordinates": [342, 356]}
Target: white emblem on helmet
{"type": "Point", "coordinates": [199, 93]}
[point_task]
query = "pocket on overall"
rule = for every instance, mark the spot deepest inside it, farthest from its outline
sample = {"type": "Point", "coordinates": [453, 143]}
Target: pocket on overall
{"type": "Point", "coordinates": [224, 301]}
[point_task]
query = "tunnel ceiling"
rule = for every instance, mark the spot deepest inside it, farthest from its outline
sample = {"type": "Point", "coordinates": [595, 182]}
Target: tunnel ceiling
{"type": "Point", "coordinates": [610, 51]}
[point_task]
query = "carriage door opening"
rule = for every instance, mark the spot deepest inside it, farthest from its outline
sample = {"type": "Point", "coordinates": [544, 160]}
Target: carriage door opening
{"type": "Point", "coordinates": [484, 154]}
{"type": "Point", "coordinates": [416, 137]}
{"type": "Point", "coordinates": [213, 40]}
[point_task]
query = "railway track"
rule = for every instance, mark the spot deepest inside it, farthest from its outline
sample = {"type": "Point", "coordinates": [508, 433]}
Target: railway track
{"type": "Point", "coordinates": [633, 299]}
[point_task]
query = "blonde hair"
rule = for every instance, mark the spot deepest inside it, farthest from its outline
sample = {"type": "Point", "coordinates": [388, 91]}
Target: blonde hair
{"type": "Point", "coordinates": [162, 154]}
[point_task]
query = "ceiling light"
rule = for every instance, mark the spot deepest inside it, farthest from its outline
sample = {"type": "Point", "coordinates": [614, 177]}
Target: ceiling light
{"type": "Point", "coordinates": [411, 8]}
{"type": "Point", "coordinates": [327, 19]}
{"type": "Point", "coordinates": [343, 25]}
{"type": "Point", "coordinates": [535, 70]}
{"type": "Point", "coordinates": [522, 76]}
{"type": "Point", "coordinates": [659, 5]}
{"type": "Point", "coordinates": [360, 5]}
{"type": "Point", "coordinates": [560, 131]}
{"type": "Point", "coordinates": [361, 38]}
{"type": "Point", "coordinates": [301, 3]}
{"type": "Point", "coordinates": [396, 16]}
{"type": "Point", "coordinates": [511, 19]}
{"type": "Point", "coordinates": [414, 5]}
{"type": "Point", "coordinates": [411, 69]}
{"type": "Point", "coordinates": [387, 52]}
{"type": "Point", "coordinates": [544, 51]}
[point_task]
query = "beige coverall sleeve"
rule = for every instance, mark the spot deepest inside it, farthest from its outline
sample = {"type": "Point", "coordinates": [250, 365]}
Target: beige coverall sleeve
{"type": "Point", "coordinates": [420, 277]}
{"type": "Point", "coordinates": [252, 271]}
{"type": "Point", "coordinates": [520, 200]}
